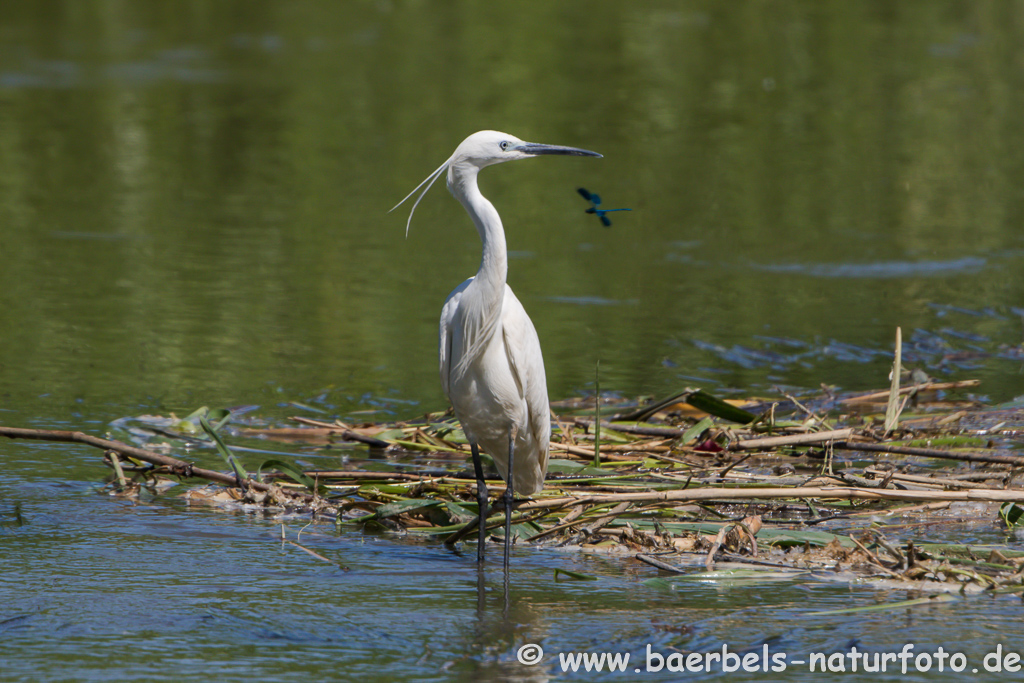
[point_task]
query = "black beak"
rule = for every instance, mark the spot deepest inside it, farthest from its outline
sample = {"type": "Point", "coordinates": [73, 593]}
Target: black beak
{"type": "Point", "coordinates": [536, 149]}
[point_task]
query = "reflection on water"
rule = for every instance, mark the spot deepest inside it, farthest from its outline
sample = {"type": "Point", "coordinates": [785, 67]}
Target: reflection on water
{"type": "Point", "coordinates": [196, 204]}
{"type": "Point", "coordinates": [193, 212]}
{"type": "Point", "coordinates": [181, 593]}
{"type": "Point", "coordinates": [947, 352]}
{"type": "Point", "coordinates": [887, 269]}
{"type": "Point", "coordinates": [169, 66]}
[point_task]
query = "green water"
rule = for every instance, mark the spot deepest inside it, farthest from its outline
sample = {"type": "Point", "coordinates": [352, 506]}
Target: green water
{"type": "Point", "coordinates": [193, 211]}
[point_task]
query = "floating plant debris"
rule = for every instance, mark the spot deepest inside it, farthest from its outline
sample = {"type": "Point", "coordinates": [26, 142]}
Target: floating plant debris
{"type": "Point", "coordinates": [689, 484]}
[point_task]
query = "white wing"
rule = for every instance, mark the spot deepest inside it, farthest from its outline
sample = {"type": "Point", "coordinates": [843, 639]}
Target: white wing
{"type": "Point", "coordinates": [491, 380]}
{"type": "Point", "coordinates": [522, 346]}
{"type": "Point", "coordinates": [445, 334]}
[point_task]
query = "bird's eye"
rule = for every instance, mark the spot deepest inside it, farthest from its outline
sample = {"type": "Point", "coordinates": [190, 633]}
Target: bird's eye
{"type": "Point", "coordinates": [503, 144]}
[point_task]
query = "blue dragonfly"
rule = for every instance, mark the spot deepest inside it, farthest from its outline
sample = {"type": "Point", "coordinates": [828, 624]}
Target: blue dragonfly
{"type": "Point", "coordinates": [595, 199]}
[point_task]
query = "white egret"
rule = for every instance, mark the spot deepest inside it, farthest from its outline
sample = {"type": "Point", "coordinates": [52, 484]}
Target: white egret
{"type": "Point", "coordinates": [492, 369]}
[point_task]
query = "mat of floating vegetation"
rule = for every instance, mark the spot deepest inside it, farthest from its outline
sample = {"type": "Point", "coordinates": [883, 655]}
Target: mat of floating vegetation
{"type": "Point", "coordinates": [754, 488]}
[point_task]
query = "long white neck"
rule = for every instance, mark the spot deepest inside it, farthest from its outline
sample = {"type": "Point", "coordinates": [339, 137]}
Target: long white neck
{"type": "Point", "coordinates": [494, 261]}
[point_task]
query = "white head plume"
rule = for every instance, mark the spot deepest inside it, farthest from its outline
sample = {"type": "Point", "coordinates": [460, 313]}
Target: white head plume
{"type": "Point", "coordinates": [429, 181]}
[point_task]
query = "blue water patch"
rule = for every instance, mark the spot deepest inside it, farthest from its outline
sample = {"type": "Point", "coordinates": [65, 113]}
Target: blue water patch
{"type": "Point", "coordinates": [943, 351]}
{"type": "Point", "coordinates": [987, 312]}
{"type": "Point", "coordinates": [882, 269]}
{"type": "Point", "coordinates": [182, 65]}
{"type": "Point", "coordinates": [589, 300]}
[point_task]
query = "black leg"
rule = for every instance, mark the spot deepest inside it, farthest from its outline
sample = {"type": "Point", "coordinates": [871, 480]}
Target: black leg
{"type": "Point", "coordinates": [481, 592]}
{"type": "Point", "coordinates": [507, 496]}
{"type": "Point", "coordinates": [481, 499]}
{"type": "Point", "coordinates": [505, 600]}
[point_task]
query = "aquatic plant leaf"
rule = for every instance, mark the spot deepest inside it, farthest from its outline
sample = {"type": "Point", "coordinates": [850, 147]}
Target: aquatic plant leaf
{"type": "Point", "coordinates": [563, 465]}
{"type": "Point", "coordinates": [459, 513]}
{"type": "Point", "coordinates": [403, 506]}
{"type": "Point", "coordinates": [525, 530]}
{"type": "Point", "coordinates": [696, 430]}
{"type": "Point", "coordinates": [659, 583]}
{"type": "Point", "coordinates": [950, 441]}
{"type": "Point", "coordinates": [222, 448]}
{"type": "Point", "coordinates": [739, 576]}
{"type": "Point", "coordinates": [190, 423]}
{"type": "Point", "coordinates": [487, 462]}
{"type": "Point", "coordinates": [957, 550]}
{"type": "Point", "coordinates": [391, 435]}
{"type": "Point", "coordinates": [218, 417]}
{"type": "Point", "coordinates": [608, 433]}
{"type": "Point", "coordinates": [1011, 514]}
{"type": "Point", "coordinates": [573, 575]}
{"type": "Point", "coordinates": [453, 435]}
{"type": "Point", "coordinates": [196, 414]}
{"type": "Point", "coordinates": [571, 467]}
{"type": "Point", "coordinates": [791, 537]}
{"type": "Point", "coordinates": [642, 413]}
{"type": "Point", "coordinates": [417, 446]}
{"type": "Point", "coordinates": [712, 405]}
{"type": "Point", "coordinates": [294, 473]}
{"type": "Point", "coordinates": [941, 597]}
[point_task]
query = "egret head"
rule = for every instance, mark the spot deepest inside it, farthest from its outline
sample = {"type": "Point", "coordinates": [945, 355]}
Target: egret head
{"type": "Point", "coordinates": [485, 148]}
{"type": "Point", "coordinates": [489, 147]}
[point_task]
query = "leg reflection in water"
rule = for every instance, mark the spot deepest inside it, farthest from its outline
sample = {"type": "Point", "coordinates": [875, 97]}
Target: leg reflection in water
{"type": "Point", "coordinates": [481, 593]}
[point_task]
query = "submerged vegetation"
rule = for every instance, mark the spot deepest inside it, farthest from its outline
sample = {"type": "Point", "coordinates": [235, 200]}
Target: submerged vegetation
{"type": "Point", "coordinates": [843, 487]}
